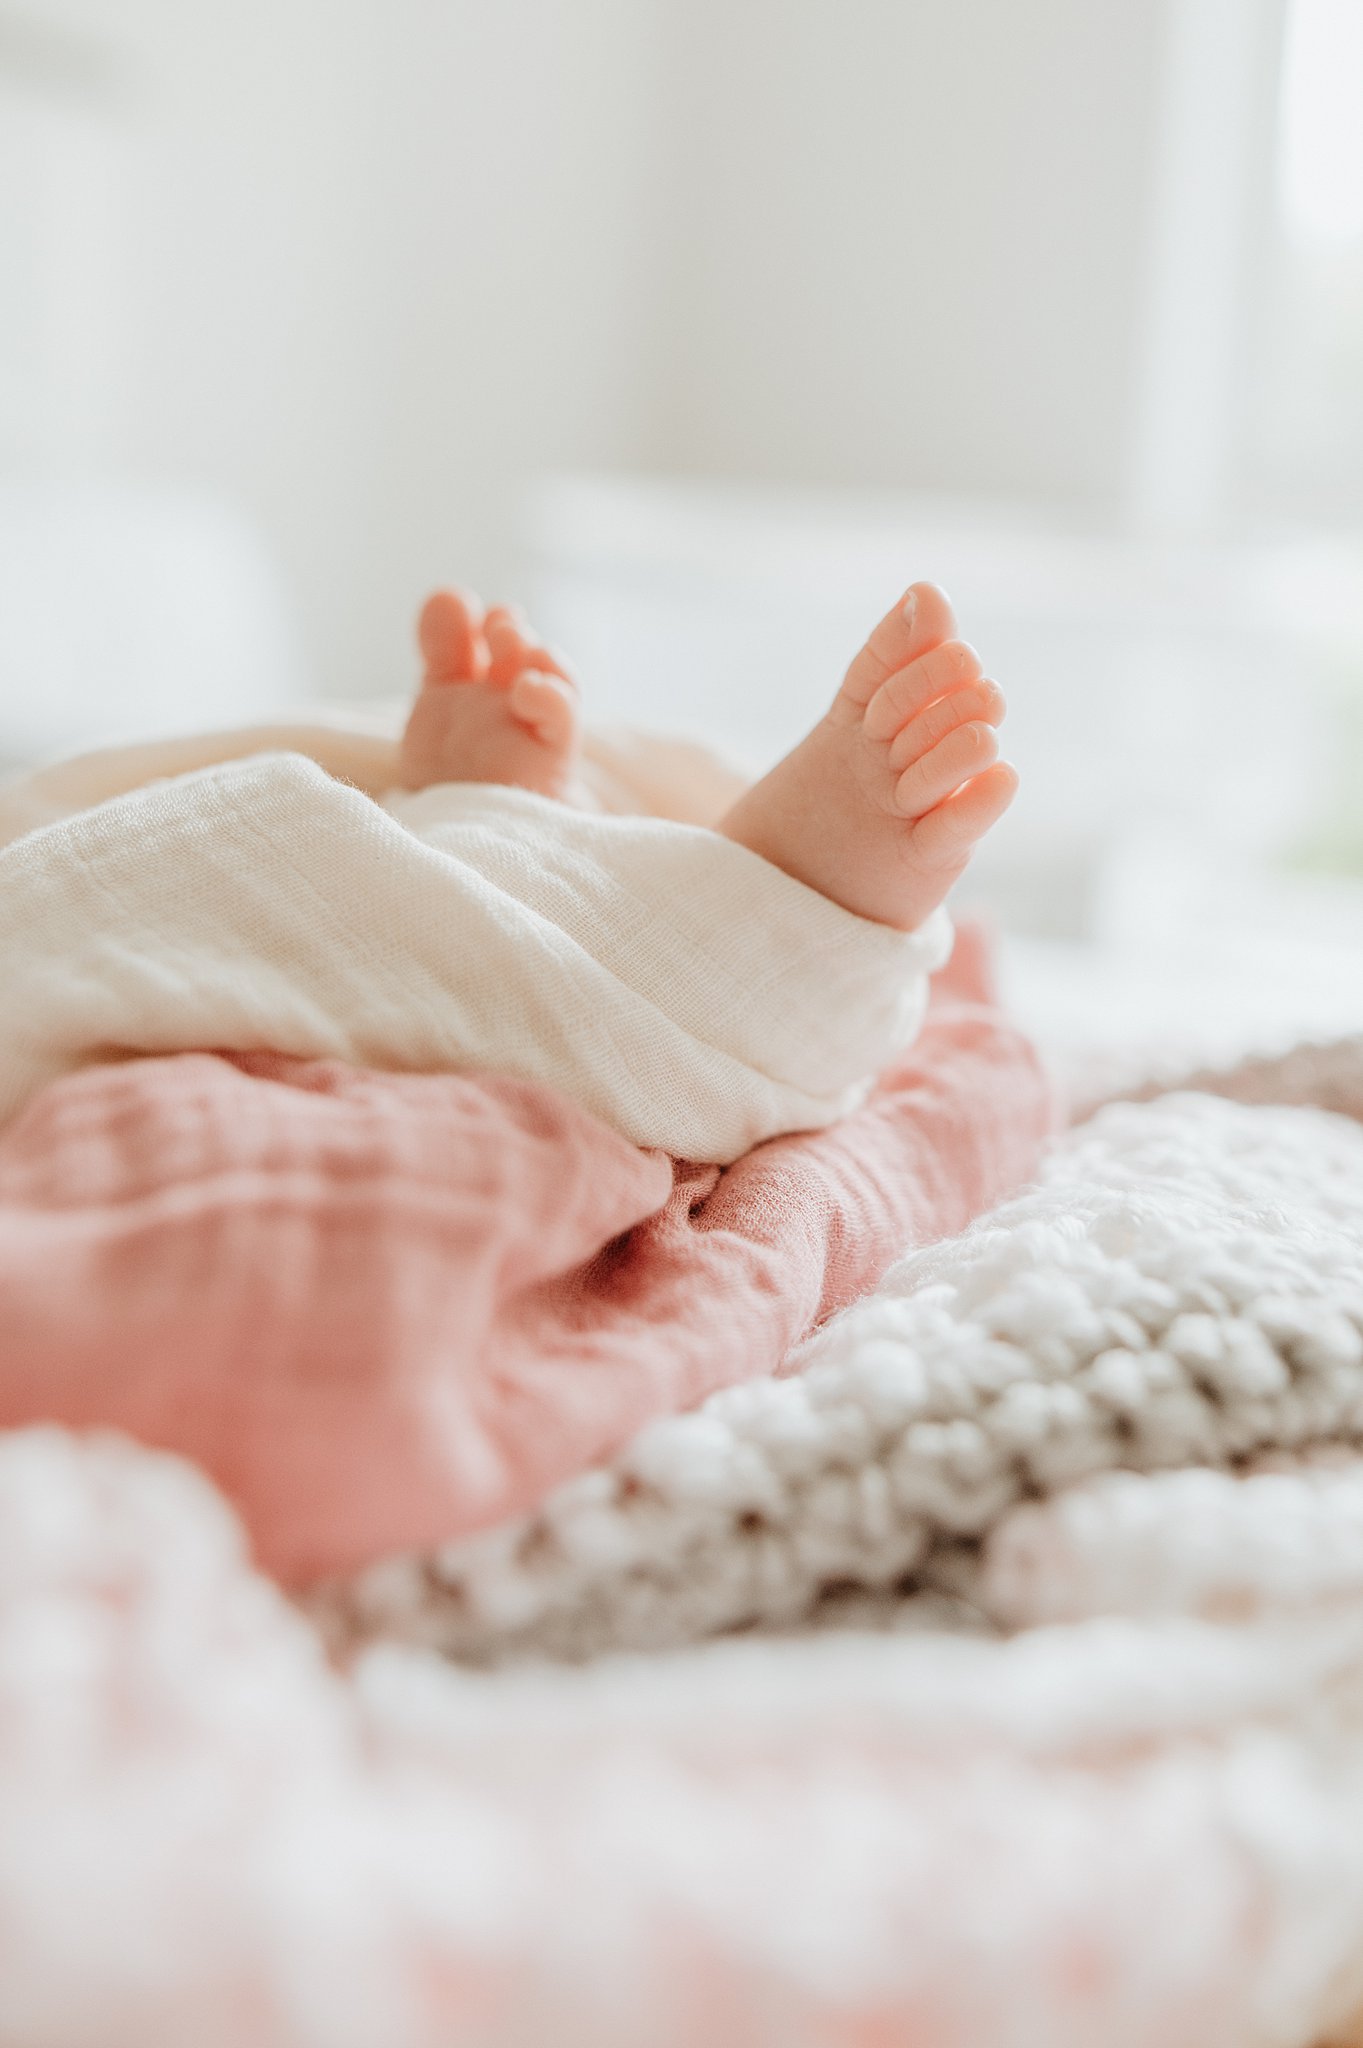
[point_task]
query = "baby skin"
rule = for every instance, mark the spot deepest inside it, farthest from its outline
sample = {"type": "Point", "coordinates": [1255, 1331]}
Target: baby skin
{"type": "Point", "coordinates": [879, 807]}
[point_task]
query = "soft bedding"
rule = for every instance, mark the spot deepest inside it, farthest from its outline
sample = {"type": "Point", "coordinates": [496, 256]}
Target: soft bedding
{"type": "Point", "coordinates": [1053, 1734]}
{"type": "Point", "coordinates": [382, 1310]}
{"type": "Point", "coordinates": [1044, 1550]}
{"type": "Point", "coordinates": [1182, 1288]}
{"type": "Point", "coordinates": [688, 993]}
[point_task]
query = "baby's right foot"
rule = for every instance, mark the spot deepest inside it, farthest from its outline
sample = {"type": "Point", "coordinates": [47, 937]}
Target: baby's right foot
{"type": "Point", "coordinates": [494, 705]}
{"type": "Point", "coordinates": [880, 807]}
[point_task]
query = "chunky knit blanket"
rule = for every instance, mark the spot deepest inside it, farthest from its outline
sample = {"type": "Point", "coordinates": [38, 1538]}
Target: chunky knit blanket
{"type": "Point", "coordinates": [1043, 1721]}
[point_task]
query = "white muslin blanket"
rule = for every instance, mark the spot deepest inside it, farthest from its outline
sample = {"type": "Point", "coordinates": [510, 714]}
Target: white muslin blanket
{"type": "Point", "coordinates": [680, 987]}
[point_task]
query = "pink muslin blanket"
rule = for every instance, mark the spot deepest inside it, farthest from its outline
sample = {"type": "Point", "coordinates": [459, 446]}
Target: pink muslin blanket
{"type": "Point", "coordinates": [384, 1310]}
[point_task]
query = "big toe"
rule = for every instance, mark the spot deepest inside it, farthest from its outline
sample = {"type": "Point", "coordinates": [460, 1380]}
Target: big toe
{"type": "Point", "coordinates": [449, 633]}
{"type": "Point", "coordinates": [921, 620]}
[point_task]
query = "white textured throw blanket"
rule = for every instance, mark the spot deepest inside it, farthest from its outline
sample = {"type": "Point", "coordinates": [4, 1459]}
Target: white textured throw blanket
{"type": "Point", "coordinates": [1048, 1728]}
{"type": "Point", "coordinates": [688, 993]}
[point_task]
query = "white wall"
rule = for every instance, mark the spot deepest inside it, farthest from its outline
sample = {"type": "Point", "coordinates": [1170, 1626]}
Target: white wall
{"type": "Point", "coordinates": [386, 263]}
{"type": "Point", "coordinates": [381, 263]}
{"type": "Point", "coordinates": [910, 242]}
{"type": "Point", "coordinates": [385, 273]}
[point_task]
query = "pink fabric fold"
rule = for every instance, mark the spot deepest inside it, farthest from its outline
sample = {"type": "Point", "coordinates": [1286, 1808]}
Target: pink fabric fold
{"type": "Point", "coordinates": [385, 1310]}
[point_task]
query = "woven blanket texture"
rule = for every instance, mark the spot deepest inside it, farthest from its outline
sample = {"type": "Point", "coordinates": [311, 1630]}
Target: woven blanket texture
{"type": "Point", "coordinates": [384, 1310]}
{"type": "Point", "coordinates": [686, 992]}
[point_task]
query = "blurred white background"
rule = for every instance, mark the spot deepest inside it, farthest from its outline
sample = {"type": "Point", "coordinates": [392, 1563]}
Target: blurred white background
{"type": "Point", "coordinates": [703, 329]}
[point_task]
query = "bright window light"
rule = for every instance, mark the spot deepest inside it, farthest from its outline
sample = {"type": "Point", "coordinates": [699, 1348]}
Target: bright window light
{"type": "Point", "coordinates": [1321, 168]}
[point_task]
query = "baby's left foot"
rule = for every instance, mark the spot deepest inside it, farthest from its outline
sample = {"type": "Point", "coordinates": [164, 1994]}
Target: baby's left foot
{"type": "Point", "coordinates": [494, 705]}
{"type": "Point", "coordinates": [881, 806]}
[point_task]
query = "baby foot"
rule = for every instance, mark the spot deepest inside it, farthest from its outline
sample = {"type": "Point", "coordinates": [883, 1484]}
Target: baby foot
{"type": "Point", "coordinates": [494, 705]}
{"type": "Point", "coordinates": [880, 807]}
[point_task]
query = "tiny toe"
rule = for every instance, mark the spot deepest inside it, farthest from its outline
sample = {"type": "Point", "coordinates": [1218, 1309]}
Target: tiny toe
{"type": "Point", "coordinates": [514, 648]}
{"type": "Point", "coordinates": [979, 702]}
{"type": "Point", "coordinates": [507, 645]}
{"type": "Point", "coordinates": [922, 619]}
{"type": "Point", "coordinates": [910, 690]}
{"type": "Point", "coordinates": [963, 753]}
{"type": "Point", "coordinates": [948, 831]}
{"type": "Point", "coordinates": [546, 704]}
{"type": "Point", "coordinates": [449, 633]}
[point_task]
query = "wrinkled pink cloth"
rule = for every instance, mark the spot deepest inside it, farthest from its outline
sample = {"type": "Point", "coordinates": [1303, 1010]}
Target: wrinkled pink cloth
{"type": "Point", "coordinates": [384, 1310]}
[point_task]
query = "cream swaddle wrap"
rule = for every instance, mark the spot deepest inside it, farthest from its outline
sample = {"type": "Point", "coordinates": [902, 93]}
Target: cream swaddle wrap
{"type": "Point", "coordinates": [688, 993]}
